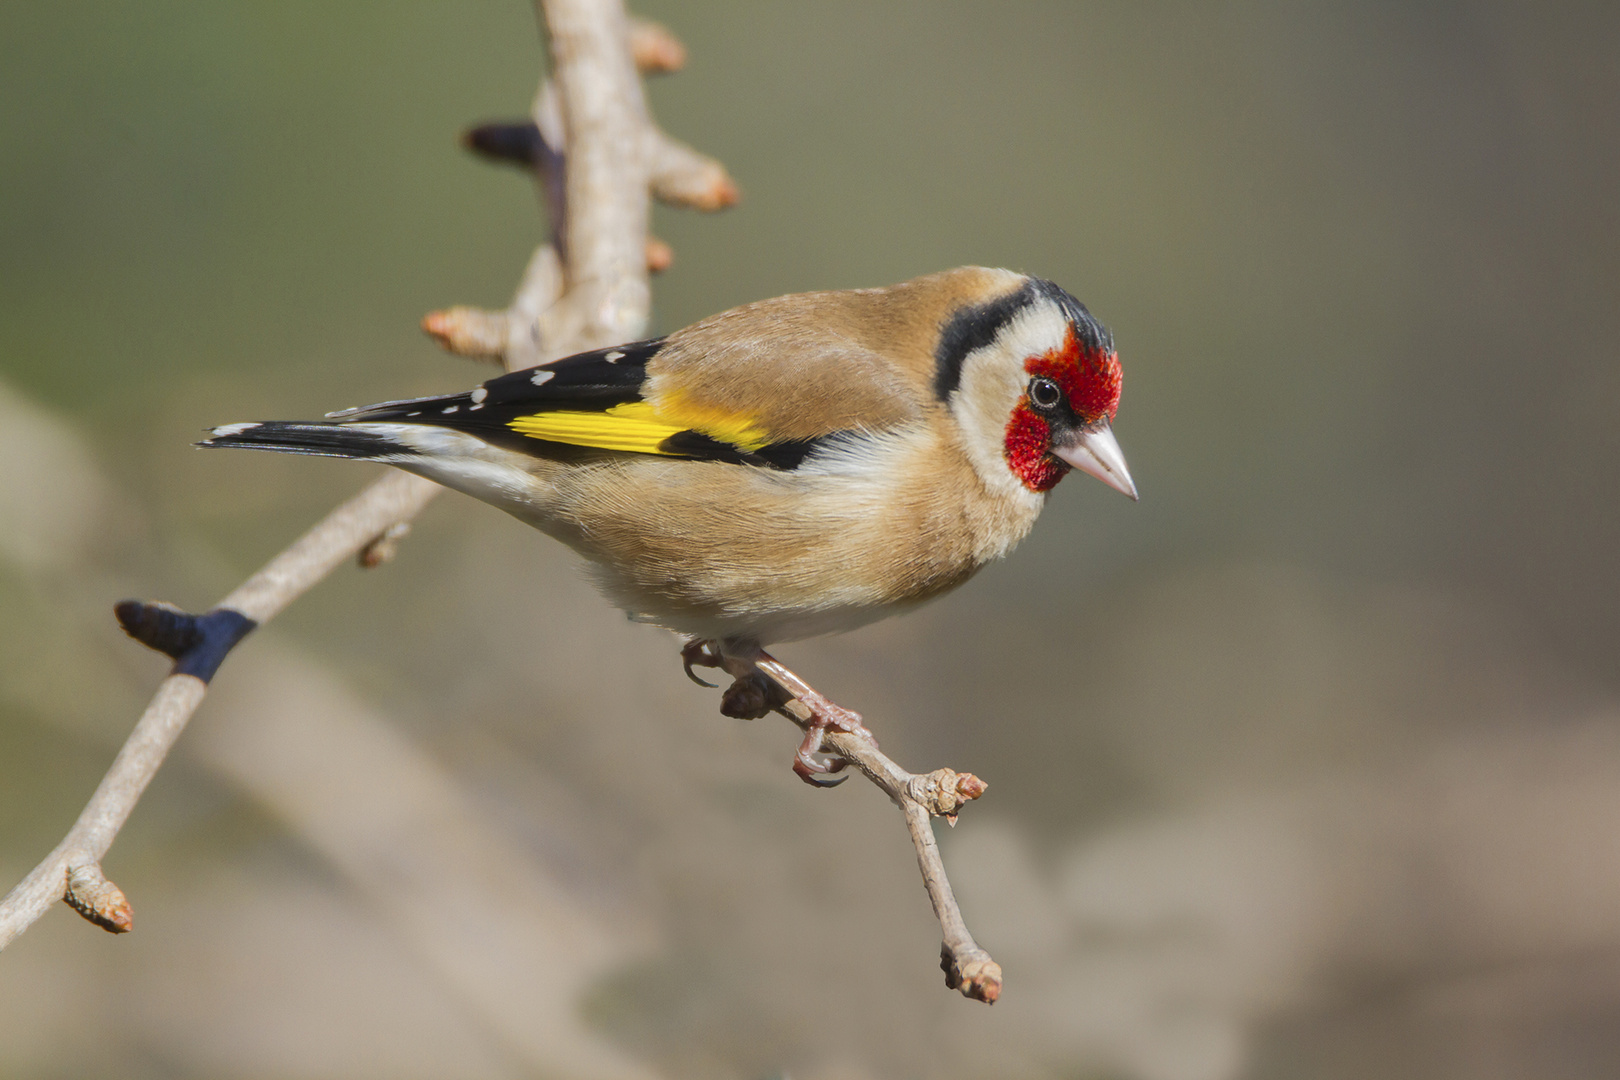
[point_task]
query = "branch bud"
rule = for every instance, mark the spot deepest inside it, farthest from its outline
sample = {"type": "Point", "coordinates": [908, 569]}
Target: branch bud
{"type": "Point", "coordinates": [468, 331]}
{"type": "Point", "coordinates": [99, 900]}
{"type": "Point", "coordinates": [656, 51]}
{"type": "Point", "coordinates": [944, 791]}
{"type": "Point", "coordinates": [976, 975]}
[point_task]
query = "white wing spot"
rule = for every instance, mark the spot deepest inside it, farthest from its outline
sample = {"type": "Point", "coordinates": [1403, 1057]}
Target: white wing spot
{"type": "Point", "coordinates": [540, 378]}
{"type": "Point", "coordinates": [451, 409]}
{"type": "Point", "coordinates": [479, 395]}
{"type": "Point", "coordinates": [614, 357]}
{"type": "Point", "coordinates": [234, 429]}
{"type": "Point", "coordinates": [416, 413]}
{"type": "Point", "coordinates": [474, 408]}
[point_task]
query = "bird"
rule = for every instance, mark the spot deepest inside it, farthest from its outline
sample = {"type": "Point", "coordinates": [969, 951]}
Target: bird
{"type": "Point", "coordinates": [793, 467]}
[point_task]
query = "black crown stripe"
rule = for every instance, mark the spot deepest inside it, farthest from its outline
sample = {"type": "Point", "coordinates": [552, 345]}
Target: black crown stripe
{"type": "Point", "coordinates": [972, 328]}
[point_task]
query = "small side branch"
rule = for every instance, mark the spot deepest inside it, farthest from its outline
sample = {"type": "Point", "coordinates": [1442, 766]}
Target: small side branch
{"type": "Point", "coordinates": [199, 644]}
{"type": "Point", "coordinates": [585, 284]}
{"type": "Point", "coordinates": [920, 797]}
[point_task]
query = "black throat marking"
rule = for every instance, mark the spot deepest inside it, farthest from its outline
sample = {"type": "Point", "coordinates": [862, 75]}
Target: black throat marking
{"type": "Point", "coordinates": [972, 328]}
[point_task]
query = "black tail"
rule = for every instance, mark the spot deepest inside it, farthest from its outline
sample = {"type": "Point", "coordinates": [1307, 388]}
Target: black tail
{"type": "Point", "coordinates": [324, 440]}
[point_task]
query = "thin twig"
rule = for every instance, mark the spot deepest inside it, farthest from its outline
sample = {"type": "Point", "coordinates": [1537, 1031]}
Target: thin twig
{"type": "Point", "coordinates": [920, 797]}
{"type": "Point", "coordinates": [73, 870]}
{"type": "Point", "coordinates": [941, 793]}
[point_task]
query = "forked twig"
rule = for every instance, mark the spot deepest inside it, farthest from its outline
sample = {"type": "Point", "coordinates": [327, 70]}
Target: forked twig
{"type": "Point", "coordinates": [920, 797]}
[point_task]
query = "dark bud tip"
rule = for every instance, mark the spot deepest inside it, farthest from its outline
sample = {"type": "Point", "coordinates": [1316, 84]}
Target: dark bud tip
{"type": "Point", "coordinates": [518, 143]}
{"type": "Point", "coordinates": [198, 643]}
{"type": "Point", "coordinates": [159, 626]}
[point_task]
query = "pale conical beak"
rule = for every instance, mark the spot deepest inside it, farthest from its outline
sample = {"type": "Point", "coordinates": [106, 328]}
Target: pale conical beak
{"type": "Point", "coordinates": [1097, 452]}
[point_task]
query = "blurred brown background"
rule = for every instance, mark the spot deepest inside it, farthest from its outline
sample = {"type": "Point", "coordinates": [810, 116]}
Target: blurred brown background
{"type": "Point", "coordinates": [1306, 766]}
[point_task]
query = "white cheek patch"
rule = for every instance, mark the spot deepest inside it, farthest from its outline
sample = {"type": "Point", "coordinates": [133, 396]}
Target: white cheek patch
{"type": "Point", "coordinates": [993, 381]}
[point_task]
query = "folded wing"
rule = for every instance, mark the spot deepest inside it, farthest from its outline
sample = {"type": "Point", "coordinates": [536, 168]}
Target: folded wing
{"type": "Point", "coordinates": [592, 400]}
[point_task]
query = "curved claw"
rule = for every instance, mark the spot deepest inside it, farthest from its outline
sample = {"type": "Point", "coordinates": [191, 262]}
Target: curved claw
{"type": "Point", "coordinates": [805, 765]}
{"type": "Point", "coordinates": [808, 769]}
{"type": "Point", "coordinates": [697, 652]}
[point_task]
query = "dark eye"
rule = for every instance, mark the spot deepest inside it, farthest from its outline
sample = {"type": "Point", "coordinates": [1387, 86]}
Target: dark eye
{"type": "Point", "coordinates": [1044, 393]}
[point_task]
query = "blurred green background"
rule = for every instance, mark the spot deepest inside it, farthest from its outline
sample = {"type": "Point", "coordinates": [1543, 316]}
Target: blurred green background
{"type": "Point", "coordinates": [1308, 765]}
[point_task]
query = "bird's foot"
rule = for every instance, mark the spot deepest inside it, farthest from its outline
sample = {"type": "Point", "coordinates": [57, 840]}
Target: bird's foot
{"type": "Point", "coordinates": [763, 684]}
{"type": "Point", "coordinates": [810, 708]}
{"type": "Point", "coordinates": [749, 697]}
{"type": "Point", "coordinates": [805, 764]}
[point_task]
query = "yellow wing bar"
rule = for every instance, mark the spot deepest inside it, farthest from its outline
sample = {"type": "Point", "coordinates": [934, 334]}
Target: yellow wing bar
{"type": "Point", "coordinates": [634, 426]}
{"type": "Point", "coordinates": [624, 427]}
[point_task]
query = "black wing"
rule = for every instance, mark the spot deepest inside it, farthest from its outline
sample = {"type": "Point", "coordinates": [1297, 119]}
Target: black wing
{"type": "Point", "coordinates": [502, 411]}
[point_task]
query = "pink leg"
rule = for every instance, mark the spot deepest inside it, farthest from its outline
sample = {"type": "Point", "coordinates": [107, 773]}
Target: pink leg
{"type": "Point", "coordinates": [747, 664]}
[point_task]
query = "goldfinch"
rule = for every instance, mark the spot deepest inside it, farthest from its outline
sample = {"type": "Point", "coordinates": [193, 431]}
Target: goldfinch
{"type": "Point", "coordinates": [788, 468]}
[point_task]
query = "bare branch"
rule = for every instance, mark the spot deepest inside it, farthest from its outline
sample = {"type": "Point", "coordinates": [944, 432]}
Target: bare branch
{"type": "Point", "coordinates": [606, 300]}
{"type": "Point", "coordinates": [512, 335]}
{"type": "Point", "coordinates": [604, 289]}
{"type": "Point", "coordinates": [73, 870]}
{"type": "Point", "coordinates": [599, 297]}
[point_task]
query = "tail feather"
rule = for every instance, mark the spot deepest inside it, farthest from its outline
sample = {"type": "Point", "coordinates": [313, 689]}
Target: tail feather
{"type": "Point", "coordinates": [322, 440]}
